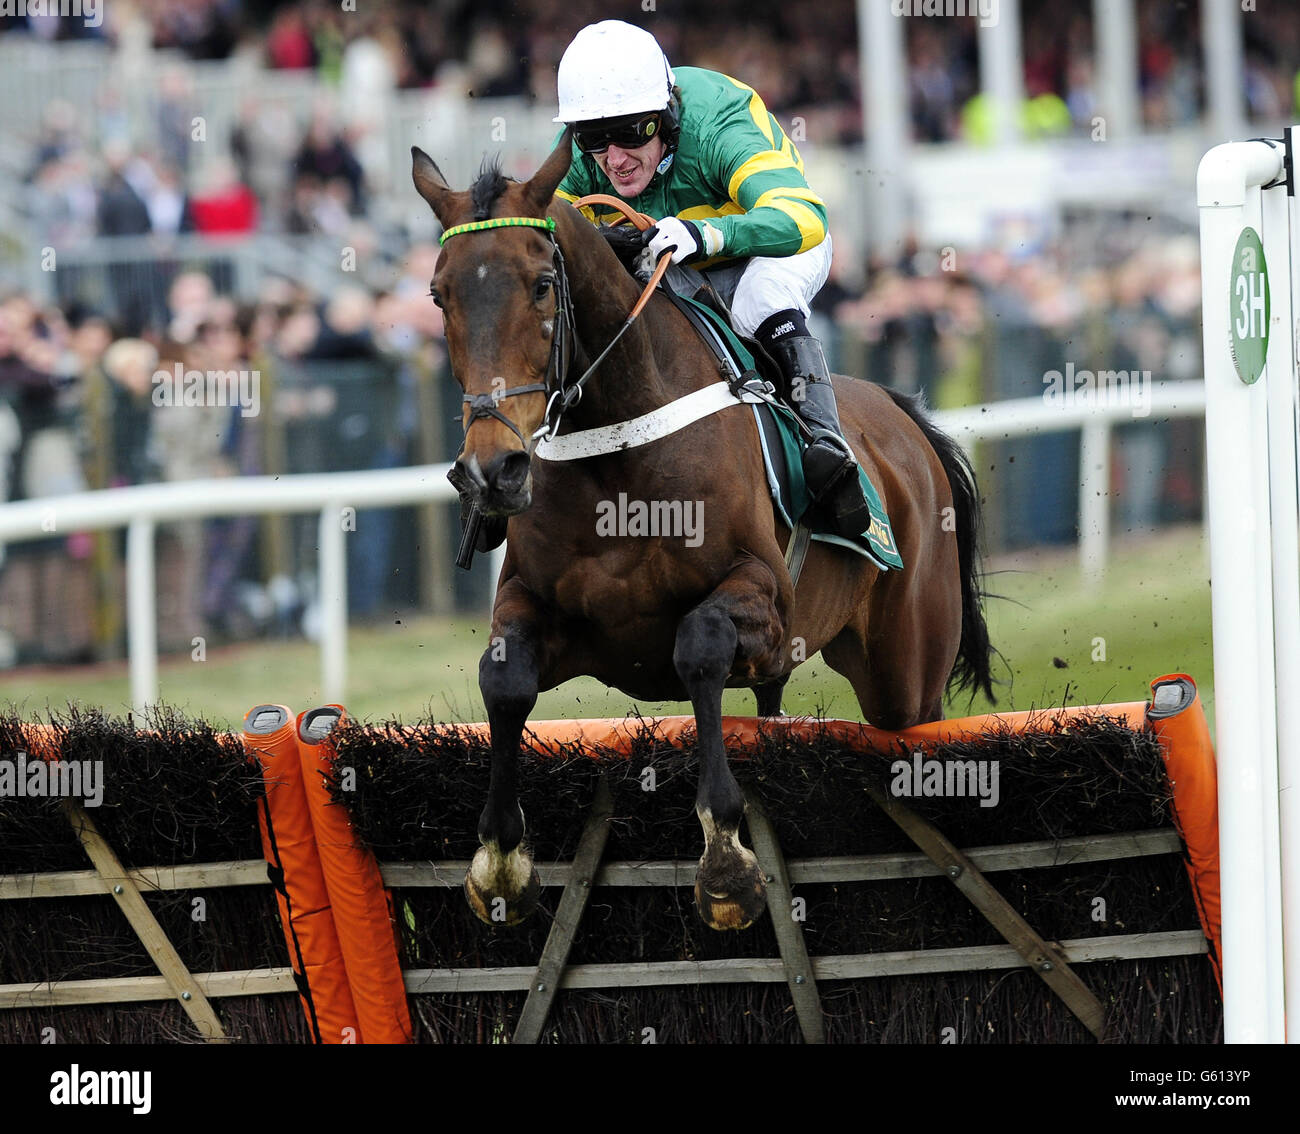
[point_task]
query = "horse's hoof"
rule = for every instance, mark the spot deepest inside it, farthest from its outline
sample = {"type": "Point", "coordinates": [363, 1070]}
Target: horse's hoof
{"type": "Point", "coordinates": [494, 891]}
{"type": "Point", "coordinates": [734, 904]}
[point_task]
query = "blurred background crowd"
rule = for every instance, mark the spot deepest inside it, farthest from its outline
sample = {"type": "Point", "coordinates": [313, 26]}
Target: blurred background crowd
{"type": "Point", "coordinates": [273, 234]}
{"type": "Point", "coordinates": [801, 54]}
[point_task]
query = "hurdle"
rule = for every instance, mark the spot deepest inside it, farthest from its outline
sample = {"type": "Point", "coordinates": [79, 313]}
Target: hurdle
{"type": "Point", "coordinates": [312, 895]}
{"type": "Point", "coordinates": [1250, 231]}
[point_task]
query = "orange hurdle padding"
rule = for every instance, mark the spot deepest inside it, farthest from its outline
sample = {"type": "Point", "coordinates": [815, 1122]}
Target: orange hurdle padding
{"type": "Point", "coordinates": [41, 740]}
{"type": "Point", "coordinates": [289, 841]}
{"type": "Point", "coordinates": [362, 906]}
{"type": "Point", "coordinates": [616, 734]}
{"type": "Point", "coordinates": [1178, 719]}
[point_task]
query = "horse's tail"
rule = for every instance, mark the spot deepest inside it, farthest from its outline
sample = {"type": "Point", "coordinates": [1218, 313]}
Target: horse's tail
{"type": "Point", "coordinates": [973, 669]}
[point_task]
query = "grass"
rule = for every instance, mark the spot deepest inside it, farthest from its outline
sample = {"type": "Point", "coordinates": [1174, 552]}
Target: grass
{"type": "Point", "coordinates": [1063, 643]}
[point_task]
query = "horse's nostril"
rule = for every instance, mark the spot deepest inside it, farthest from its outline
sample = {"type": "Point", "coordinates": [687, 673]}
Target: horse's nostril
{"type": "Point", "coordinates": [509, 471]}
{"type": "Point", "coordinates": [470, 474]}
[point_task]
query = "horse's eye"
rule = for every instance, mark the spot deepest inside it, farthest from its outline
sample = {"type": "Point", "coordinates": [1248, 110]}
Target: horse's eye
{"type": "Point", "coordinates": [433, 294]}
{"type": "Point", "coordinates": [542, 288]}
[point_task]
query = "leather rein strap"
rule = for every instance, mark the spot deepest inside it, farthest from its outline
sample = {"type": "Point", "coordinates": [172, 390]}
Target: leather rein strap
{"type": "Point", "coordinates": [566, 396]}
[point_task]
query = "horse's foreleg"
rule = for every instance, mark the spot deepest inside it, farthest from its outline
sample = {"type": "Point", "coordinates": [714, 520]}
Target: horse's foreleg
{"type": "Point", "coordinates": [735, 629]}
{"type": "Point", "coordinates": [502, 886]}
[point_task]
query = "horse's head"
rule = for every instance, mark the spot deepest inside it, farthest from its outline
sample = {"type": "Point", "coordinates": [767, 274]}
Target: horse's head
{"type": "Point", "coordinates": [499, 291]}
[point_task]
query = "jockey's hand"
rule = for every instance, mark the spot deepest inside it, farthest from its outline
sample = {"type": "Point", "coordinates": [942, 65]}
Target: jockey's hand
{"type": "Point", "coordinates": [627, 242]}
{"type": "Point", "coordinates": [686, 238]}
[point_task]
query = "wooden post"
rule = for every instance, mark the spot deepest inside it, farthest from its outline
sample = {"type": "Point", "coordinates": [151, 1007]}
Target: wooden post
{"type": "Point", "coordinates": [789, 934]}
{"type": "Point", "coordinates": [555, 954]}
{"type": "Point", "coordinates": [124, 891]}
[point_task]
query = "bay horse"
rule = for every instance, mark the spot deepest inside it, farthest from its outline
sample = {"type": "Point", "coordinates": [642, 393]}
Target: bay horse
{"type": "Point", "coordinates": [662, 617]}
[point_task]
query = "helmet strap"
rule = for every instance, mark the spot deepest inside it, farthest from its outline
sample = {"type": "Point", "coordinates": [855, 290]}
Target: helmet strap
{"type": "Point", "coordinates": [671, 123]}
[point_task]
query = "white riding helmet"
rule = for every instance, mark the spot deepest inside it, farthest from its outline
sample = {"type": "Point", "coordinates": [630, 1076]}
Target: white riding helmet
{"type": "Point", "coordinates": [612, 69]}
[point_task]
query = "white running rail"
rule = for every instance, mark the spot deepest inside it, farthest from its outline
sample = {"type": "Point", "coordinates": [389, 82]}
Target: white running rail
{"type": "Point", "coordinates": [140, 509]}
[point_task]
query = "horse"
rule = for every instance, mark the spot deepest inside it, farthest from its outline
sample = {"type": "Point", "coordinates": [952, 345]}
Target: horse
{"type": "Point", "coordinates": [530, 289]}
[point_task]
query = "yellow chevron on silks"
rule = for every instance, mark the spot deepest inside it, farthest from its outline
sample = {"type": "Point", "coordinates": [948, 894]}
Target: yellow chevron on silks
{"type": "Point", "coordinates": [759, 163]}
{"type": "Point", "coordinates": [811, 229]}
{"type": "Point", "coordinates": [588, 211]}
{"type": "Point", "coordinates": [707, 212]}
{"type": "Point", "coordinates": [757, 111]}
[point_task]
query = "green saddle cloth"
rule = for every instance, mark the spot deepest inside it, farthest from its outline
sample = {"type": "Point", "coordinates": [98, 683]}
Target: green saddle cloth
{"type": "Point", "coordinates": [792, 499]}
{"type": "Point", "coordinates": [783, 445]}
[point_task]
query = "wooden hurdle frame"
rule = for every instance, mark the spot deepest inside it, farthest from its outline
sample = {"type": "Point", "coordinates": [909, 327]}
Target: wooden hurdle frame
{"type": "Point", "coordinates": [1252, 521]}
{"type": "Point", "coordinates": [798, 970]}
{"type": "Point", "coordinates": [1174, 714]}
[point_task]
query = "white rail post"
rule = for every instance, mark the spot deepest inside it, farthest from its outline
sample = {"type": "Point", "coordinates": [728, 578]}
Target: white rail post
{"type": "Point", "coordinates": [1116, 25]}
{"type": "Point", "coordinates": [1001, 69]}
{"type": "Point", "coordinates": [882, 56]}
{"type": "Point", "coordinates": [141, 613]}
{"type": "Point", "coordinates": [141, 507]}
{"type": "Point", "coordinates": [333, 604]}
{"type": "Point", "coordinates": [1094, 499]}
{"type": "Point", "coordinates": [1288, 771]}
{"type": "Point", "coordinates": [1241, 553]}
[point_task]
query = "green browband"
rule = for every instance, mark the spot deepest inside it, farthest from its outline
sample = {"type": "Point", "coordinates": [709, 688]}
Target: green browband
{"type": "Point", "coordinates": [498, 222]}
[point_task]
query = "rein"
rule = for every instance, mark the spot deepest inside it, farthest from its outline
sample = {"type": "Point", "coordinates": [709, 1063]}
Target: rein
{"type": "Point", "coordinates": [562, 394]}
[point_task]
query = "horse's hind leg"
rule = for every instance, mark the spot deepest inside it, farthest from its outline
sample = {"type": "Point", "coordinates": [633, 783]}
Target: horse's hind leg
{"type": "Point", "coordinates": [768, 695]}
{"type": "Point", "coordinates": [735, 630]}
{"type": "Point", "coordinates": [502, 886]}
{"type": "Point", "coordinates": [900, 674]}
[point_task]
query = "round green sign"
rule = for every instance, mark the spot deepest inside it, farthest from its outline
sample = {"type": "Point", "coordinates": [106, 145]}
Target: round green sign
{"type": "Point", "coordinates": [1249, 307]}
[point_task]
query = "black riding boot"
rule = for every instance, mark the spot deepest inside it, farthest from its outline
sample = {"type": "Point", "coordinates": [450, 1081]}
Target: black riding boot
{"type": "Point", "coordinates": [829, 466]}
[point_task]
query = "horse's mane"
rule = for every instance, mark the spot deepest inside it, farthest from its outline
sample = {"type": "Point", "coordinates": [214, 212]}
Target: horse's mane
{"type": "Point", "coordinates": [487, 187]}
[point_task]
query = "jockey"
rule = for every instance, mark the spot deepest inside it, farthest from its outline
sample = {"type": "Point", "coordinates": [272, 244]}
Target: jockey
{"type": "Point", "coordinates": [700, 151]}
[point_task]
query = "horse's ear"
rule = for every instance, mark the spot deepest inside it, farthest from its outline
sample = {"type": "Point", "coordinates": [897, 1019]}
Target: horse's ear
{"type": "Point", "coordinates": [429, 182]}
{"type": "Point", "coordinates": [544, 182]}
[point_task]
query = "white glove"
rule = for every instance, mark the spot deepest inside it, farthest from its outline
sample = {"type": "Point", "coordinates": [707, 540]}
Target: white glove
{"type": "Point", "coordinates": [688, 240]}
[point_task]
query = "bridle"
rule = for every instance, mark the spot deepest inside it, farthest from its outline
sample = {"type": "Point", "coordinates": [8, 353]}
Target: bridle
{"type": "Point", "coordinates": [562, 395]}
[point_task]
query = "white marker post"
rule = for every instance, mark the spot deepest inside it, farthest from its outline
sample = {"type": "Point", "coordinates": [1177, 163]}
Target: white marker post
{"type": "Point", "coordinates": [1246, 285]}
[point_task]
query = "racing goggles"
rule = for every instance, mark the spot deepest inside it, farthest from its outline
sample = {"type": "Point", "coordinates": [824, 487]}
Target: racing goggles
{"type": "Point", "coordinates": [628, 133]}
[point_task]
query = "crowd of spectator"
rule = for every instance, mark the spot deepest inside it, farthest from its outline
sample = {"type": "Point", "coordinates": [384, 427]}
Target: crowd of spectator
{"type": "Point", "coordinates": [802, 54]}
{"type": "Point", "coordinates": [76, 378]}
{"type": "Point", "coordinates": [78, 410]}
{"type": "Point", "coordinates": [993, 323]}
{"type": "Point", "coordinates": [89, 180]}
{"type": "Point", "coordinates": [92, 174]}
